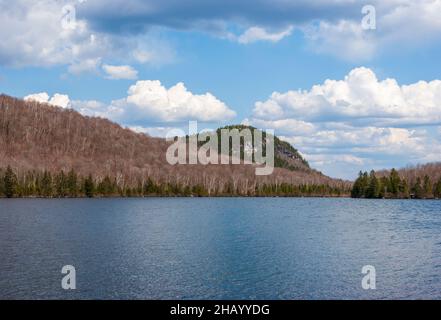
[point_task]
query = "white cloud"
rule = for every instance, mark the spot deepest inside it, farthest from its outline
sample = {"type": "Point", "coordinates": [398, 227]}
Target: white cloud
{"type": "Point", "coordinates": [41, 97]}
{"type": "Point", "coordinates": [33, 34]}
{"type": "Point", "coordinates": [254, 34]}
{"type": "Point", "coordinates": [59, 100]}
{"type": "Point", "coordinates": [379, 121]}
{"type": "Point", "coordinates": [344, 39]}
{"type": "Point", "coordinates": [150, 102]}
{"type": "Point", "coordinates": [120, 72]}
{"type": "Point", "coordinates": [400, 24]}
{"type": "Point", "coordinates": [359, 99]}
{"type": "Point", "coordinates": [151, 99]}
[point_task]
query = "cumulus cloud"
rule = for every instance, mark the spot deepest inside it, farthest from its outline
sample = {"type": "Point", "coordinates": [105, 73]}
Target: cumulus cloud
{"type": "Point", "coordinates": [150, 102]}
{"type": "Point", "coordinates": [120, 72]}
{"type": "Point", "coordinates": [59, 100]}
{"type": "Point", "coordinates": [342, 152]}
{"type": "Point", "coordinates": [360, 98]}
{"type": "Point", "coordinates": [378, 121]}
{"type": "Point", "coordinates": [152, 99]}
{"type": "Point", "coordinates": [254, 34]}
{"type": "Point", "coordinates": [35, 33]}
{"type": "Point", "coordinates": [32, 34]}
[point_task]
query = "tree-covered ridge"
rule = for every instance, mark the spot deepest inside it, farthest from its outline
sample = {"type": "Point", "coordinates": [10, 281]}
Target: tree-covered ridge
{"type": "Point", "coordinates": [393, 186]}
{"type": "Point", "coordinates": [285, 155]}
{"type": "Point", "coordinates": [71, 185]}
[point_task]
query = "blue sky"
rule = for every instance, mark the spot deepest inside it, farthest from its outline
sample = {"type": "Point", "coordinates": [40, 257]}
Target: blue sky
{"type": "Point", "coordinates": [347, 97]}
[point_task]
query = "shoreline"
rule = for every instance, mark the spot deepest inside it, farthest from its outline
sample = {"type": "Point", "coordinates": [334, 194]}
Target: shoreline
{"type": "Point", "coordinates": [211, 197]}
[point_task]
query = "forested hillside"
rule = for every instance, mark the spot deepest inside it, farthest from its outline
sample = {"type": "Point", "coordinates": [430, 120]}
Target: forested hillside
{"type": "Point", "coordinates": [52, 152]}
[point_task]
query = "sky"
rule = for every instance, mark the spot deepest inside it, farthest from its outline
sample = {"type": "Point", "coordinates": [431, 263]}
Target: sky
{"type": "Point", "coordinates": [353, 85]}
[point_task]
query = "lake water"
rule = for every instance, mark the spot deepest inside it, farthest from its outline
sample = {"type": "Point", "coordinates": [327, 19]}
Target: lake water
{"type": "Point", "coordinates": [243, 248]}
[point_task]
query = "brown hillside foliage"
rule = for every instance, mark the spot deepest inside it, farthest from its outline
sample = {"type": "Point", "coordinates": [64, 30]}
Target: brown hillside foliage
{"type": "Point", "coordinates": [36, 136]}
{"type": "Point", "coordinates": [412, 173]}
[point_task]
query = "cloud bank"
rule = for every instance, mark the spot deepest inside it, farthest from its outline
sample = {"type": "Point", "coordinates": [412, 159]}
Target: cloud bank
{"type": "Point", "coordinates": [149, 102]}
{"type": "Point", "coordinates": [33, 33]}
{"type": "Point", "coordinates": [359, 119]}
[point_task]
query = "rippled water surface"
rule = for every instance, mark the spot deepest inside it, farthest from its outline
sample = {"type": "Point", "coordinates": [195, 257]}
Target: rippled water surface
{"type": "Point", "coordinates": [220, 248]}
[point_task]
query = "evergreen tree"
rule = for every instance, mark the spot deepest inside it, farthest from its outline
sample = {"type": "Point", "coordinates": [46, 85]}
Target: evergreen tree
{"type": "Point", "coordinates": [46, 184]}
{"type": "Point", "coordinates": [417, 189]}
{"type": "Point", "coordinates": [437, 189]}
{"type": "Point", "coordinates": [9, 183]}
{"type": "Point", "coordinates": [373, 189]}
{"type": "Point", "coordinates": [72, 183]}
{"type": "Point", "coordinates": [2, 183]}
{"type": "Point", "coordinates": [356, 189]}
{"type": "Point", "coordinates": [427, 187]}
{"type": "Point", "coordinates": [384, 184]}
{"type": "Point", "coordinates": [394, 181]}
{"type": "Point", "coordinates": [404, 189]}
{"type": "Point", "coordinates": [89, 186]}
{"type": "Point", "coordinates": [106, 187]}
{"type": "Point", "coordinates": [61, 186]}
{"type": "Point", "coordinates": [149, 187]}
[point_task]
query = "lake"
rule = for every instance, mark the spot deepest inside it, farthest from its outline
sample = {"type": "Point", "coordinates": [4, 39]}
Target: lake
{"type": "Point", "coordinates": [220, 248]}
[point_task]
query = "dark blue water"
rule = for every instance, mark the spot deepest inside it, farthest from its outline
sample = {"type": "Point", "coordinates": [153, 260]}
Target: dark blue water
{"type": "Point", "coordinates": [220, 248]}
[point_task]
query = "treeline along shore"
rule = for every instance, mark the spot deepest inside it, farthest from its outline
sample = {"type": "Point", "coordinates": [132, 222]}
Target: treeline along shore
{"type": "Point", "coordinates": [44, 184]}
{"type": "Point", "coordinates": [33, 184]}
{"type": "Point", "coordinates": [410, 183]}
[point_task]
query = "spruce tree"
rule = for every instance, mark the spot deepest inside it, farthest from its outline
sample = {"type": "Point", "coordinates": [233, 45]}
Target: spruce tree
{"type": "Point", "coordinates": [437, 189]}
{"type": "Point", "coordinates": [373, 189]}
{"type": "Point", "coordinates": [72, 183]}
{"type": "Point", "coordinates": [89, 186]}
{"type": "Point", "coordinates": [417, 189]}
{"type": "Point", "coordinates": [404, 189]}
{"type": "Point", "coordinates": [357, 187]}
{"type": "Point", "coordinates": [46, 185]}
{"type": "Point", "coordinates": [427, 187]}
{"type": "Point", "coordinates": [2, 183]}
{"type": "Point", "coordinates": [394, 180]}
{"type": "Point", "coordinates": [9, 183]}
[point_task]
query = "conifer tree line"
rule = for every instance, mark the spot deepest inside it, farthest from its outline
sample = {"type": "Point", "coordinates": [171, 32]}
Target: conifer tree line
{"type": "Point", "coordinates": [44, 184]}
{"type": "Point", "coordinates": [393, 186]}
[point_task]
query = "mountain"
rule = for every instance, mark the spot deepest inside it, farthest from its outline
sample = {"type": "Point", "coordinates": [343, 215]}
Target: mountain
{"type": "Point", "coordinates": [42, 142]}
{"type": "Point", "coordinates": [286, 156]}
